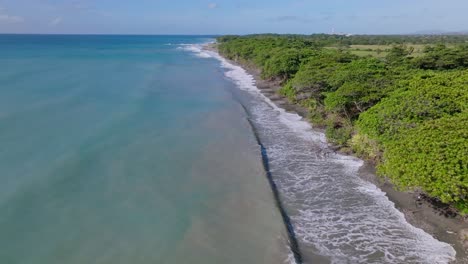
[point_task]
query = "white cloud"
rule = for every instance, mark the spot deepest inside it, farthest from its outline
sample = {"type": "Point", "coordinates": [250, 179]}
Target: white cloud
{"type": "Point", "coordinates": [212, 5]}
{"type": "Point", "coordinates": [56, 21]}
{"type": "Point", "coordinates": [5, 18]}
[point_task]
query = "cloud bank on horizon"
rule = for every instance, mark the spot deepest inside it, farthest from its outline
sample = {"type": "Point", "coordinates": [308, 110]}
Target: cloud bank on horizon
{"type": "Point", "coordinates": [231, 17]}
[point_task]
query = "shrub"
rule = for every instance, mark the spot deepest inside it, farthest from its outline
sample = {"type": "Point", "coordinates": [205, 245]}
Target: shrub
{"type": "Point", "coordinates": [423, 98]}
{"type": "Point", "coordinates": [283, 63]}
{"type": "Point", "coordinates": [365, 147]}
{"type": "Point", "coordinates": [317, 71]}
{"type": "Point", "coordinates": [339, 130]}
{"type": "Point", "coordinates": [288, 91]}
{"type": "Point", "coordinates": [441, 57]}
{"type": "Point", "coordinates": [359, 85]}
{"type": "Point", "coordinates": [433, 156]}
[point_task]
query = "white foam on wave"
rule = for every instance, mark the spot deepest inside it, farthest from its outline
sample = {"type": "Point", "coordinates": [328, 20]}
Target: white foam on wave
{"type": "Point", "coordinates": [335, 228]}
{"type": "Point", "coordinates": [246, 82]}
{"type": "Point", "coordinates": [196, 49]}
{"type": "Point", "coordinates": [290, 259]}
{"type": "Point", "coordinates": [344, 217]}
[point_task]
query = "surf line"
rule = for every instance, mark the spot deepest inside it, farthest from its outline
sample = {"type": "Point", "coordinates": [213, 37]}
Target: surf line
{"type": "Point", "coordinates": [293, 244]}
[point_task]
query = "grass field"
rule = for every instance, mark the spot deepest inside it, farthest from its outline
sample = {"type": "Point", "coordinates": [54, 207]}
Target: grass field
{"type": "Point", "coordinates": [379, 51]}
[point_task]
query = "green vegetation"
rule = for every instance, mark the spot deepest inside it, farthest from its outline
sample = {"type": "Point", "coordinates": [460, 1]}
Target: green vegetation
{"type": "Point", "coordinates": [433, 157]}
{"type": "Point", "coordinates": [424, 97]}
{"type": "Point", "coordinates": [381, 51]}
{"type": "Point", "coordinates": [401, 101]}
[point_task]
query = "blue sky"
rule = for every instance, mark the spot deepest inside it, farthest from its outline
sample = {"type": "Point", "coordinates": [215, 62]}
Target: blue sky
{"type": "Point", "coordinates": [231, 17]}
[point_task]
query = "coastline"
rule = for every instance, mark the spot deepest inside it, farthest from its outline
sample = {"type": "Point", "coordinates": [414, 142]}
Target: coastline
{"type": "Point", "coordinates": [420, 212]}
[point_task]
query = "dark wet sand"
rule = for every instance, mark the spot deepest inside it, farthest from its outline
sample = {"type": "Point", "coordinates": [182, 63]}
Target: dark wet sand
{"type": "Point", "coordinates": [433, 218]}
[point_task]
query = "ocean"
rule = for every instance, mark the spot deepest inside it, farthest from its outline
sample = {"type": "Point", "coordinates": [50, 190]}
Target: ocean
{"type": "Point", "coordinates": [149, 149]}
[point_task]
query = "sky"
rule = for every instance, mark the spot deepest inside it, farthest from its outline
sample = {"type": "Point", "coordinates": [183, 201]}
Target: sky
{"type": "Point", "coordinates": [232, 16]}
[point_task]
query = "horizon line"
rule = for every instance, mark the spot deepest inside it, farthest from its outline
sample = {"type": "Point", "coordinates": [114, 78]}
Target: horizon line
{"type": "Point", "coordinates": [247, 34]}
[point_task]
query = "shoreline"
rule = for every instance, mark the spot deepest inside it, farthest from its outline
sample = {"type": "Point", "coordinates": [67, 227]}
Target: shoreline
{"type": "Point", "coordinates": [421, 212]}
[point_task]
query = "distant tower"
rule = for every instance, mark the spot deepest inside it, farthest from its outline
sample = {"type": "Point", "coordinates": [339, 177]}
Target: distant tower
{"type": "Point", "coordinates": [333, 31]}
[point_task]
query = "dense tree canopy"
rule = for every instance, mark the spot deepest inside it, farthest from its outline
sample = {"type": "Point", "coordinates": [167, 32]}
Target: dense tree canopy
{"type": "Point", "coordinates": [406, 111]}
{"type": "Point", "coordinates": [426, 96]}
{"type": "Point", "coordinates": [441, 57]}
{"type": "Point", "coordinates": [433, 157]}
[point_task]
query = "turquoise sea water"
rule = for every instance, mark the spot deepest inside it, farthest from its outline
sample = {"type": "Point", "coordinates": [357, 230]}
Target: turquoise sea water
{"type": "Point", "coordinates": [125, 149]}
{"type": "Point", "coordinates": [149, 149]}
